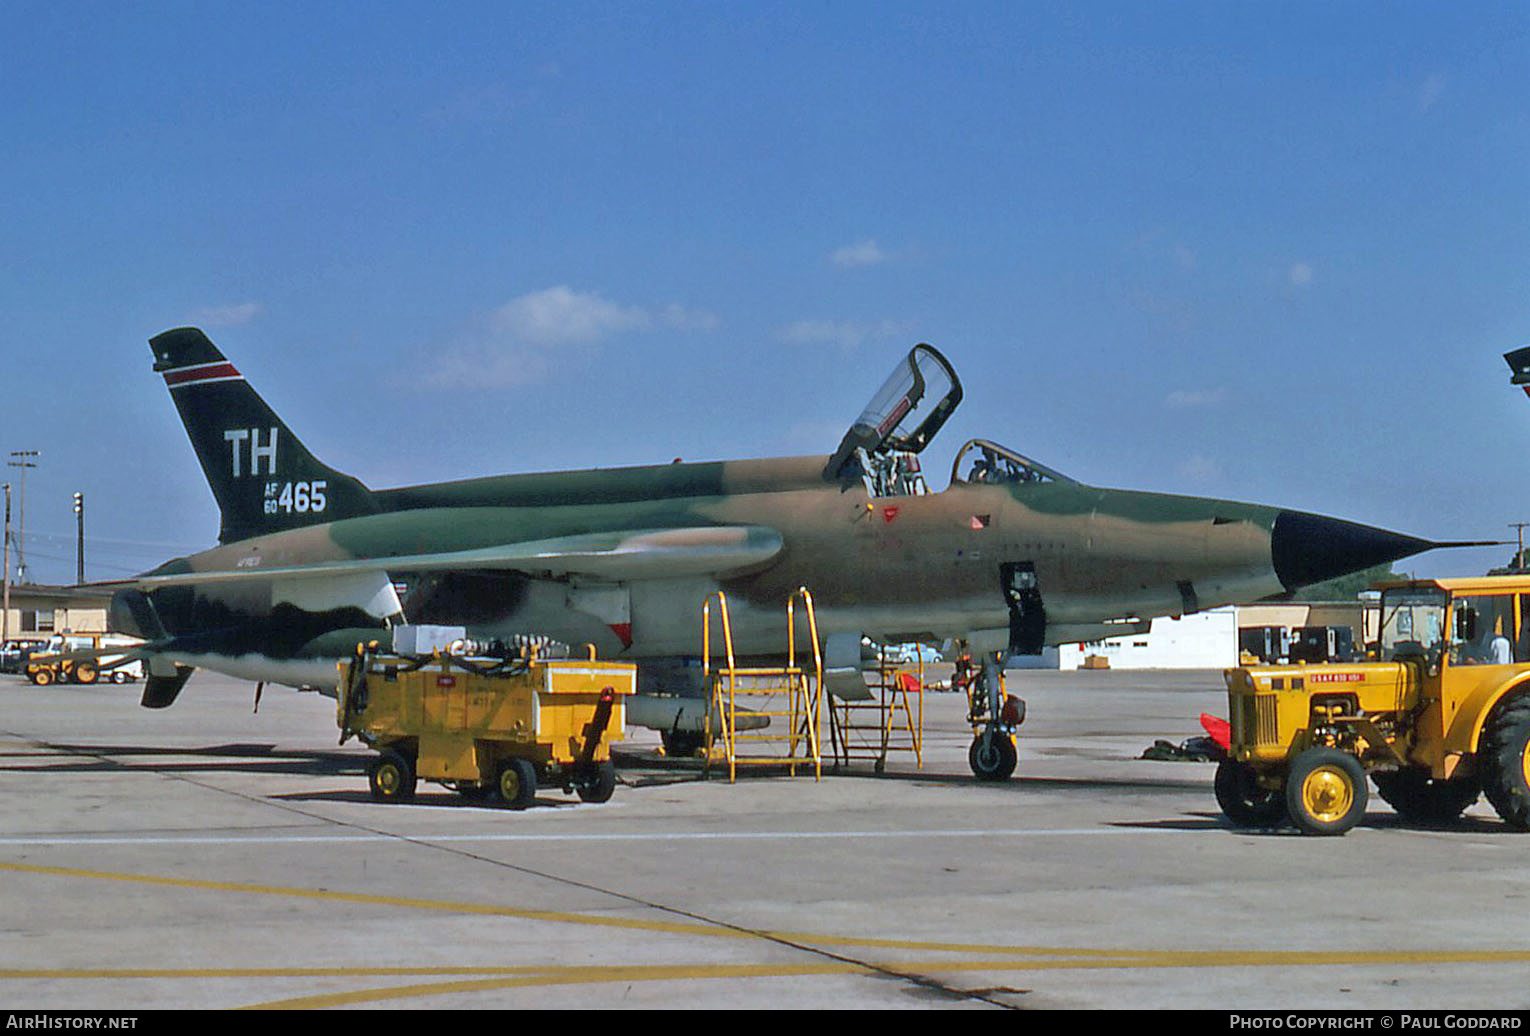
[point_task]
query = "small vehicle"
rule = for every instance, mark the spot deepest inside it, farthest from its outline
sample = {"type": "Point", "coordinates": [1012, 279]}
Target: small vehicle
{"type": "Point", "coordinates": [84, 658]}
{"type": "Point", "coordinates": [1443, 717]}
{"type": "Point", "coordinates": [486, 727]}
{"type": "Point", "coordinates": [14, 653]}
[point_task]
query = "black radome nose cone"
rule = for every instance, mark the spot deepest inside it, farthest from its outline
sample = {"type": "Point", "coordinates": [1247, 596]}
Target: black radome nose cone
{"type": "Point", "coordinates": [1309, 548]}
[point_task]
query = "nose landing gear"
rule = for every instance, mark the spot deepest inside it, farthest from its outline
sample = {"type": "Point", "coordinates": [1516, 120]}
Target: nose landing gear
{"type": "Point", "coordinates": [995, 717]}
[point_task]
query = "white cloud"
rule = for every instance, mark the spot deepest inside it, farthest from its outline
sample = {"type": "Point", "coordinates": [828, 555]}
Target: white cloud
{"type": "Point", "coordinates": [1300, 275]}
{"type": "Point", "coordinates": [520, 342]}
{"type": "Point", "coordinates": [862, 253]}
{"type": "Point", "coordinates": [562, 316]}
{"type": "Point", "coordinates": [1195, 397]}
{"type": "Point", "coordinates": [844, 334]}
{"type": "Point", "coordinates": [226, 316]}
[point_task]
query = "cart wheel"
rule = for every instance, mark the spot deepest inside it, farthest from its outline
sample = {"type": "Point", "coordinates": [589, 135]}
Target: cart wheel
{"type": "Point", "coordinates": [391, 778]}
{"type": "Point", "coordinates": [85, 672]}
{"type": "Point", "coordinates": [597, 783]}
{"type": "Point", "coordinates": [1243, 801]}
{"type": "Point", "coordinates": [1326, 792]}
{"type": "Point", "coordinates": [992, 756]}
{"type": "Point", "coordinates": [517, 784]}
{"type": "Point", "coordinates": [42, 677]}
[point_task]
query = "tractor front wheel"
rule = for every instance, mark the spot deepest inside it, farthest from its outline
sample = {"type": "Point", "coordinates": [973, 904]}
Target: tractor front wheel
{"type": "Point", "coordinates": [1326, 792]}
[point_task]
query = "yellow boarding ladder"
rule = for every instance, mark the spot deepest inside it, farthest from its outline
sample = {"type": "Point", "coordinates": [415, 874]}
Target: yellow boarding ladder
{"type": "Point", "coordinates": [787, 692]}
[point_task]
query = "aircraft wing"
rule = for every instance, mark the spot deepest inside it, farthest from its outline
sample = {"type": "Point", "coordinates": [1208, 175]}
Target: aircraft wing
{"type": "Point", "coordinates": [619, 555]}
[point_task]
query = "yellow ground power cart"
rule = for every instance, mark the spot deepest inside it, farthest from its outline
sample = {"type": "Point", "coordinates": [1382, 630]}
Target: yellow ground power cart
{"type": "Point", "coordinates": [1441, 716]}
{"type": "Point", "coordinates": [484, 727]}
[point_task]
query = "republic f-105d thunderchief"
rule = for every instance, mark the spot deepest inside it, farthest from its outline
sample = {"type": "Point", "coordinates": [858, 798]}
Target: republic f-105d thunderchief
{"type": "Point", "coordinates": [1010, 556]}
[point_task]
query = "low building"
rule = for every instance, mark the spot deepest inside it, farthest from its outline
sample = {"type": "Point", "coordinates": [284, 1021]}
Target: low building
{"type": "Point", "coordinates": [43, 610]}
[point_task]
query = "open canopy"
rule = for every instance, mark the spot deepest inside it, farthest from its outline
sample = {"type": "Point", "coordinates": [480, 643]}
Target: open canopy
{"type": "Point", "coordinates": [911, 406]}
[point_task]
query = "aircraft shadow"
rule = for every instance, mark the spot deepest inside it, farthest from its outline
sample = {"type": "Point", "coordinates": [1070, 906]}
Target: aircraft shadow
{"type": "Point", "coordinates": [232, 758]}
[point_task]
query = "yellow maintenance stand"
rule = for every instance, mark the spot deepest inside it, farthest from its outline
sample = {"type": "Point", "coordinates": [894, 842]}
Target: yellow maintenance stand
{"type": "Point", "coordinates": [486, 727]}
{"type": "Point", "coordinates": [1440, 716]}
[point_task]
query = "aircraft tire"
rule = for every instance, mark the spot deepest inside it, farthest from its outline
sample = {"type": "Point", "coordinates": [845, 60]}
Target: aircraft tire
{"type": "Point", "coordinates": [1326, 793]}
{"type": "Point", "coordinates": [1419, 799]}
{"type": "Point", "coordinates": [682, 744]}
{"type": "Point", "coordinates": [1243, 801]}
{"type": "Point", "coordinates": [994, 760]}
{"type": "Point", "coordinates": [517, 783]}
{"type": "Point", "coordinates": [391, 777]}
{"type": "Point", "coordinates": [598, 783]}
{"type": "Point", "coordinates": [1506, 762]}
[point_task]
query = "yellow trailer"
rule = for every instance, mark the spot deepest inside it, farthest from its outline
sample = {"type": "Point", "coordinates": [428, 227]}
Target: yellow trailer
{"type": "Point", "coordinates": [485, 727]}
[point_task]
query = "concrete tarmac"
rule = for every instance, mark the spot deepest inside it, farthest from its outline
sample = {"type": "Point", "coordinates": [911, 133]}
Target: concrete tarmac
{"type": "Point", "coordinates": [209, 857]}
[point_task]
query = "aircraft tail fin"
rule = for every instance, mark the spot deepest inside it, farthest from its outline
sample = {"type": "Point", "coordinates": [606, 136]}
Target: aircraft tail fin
{"type": "Point", "coordinates": [262, 476]}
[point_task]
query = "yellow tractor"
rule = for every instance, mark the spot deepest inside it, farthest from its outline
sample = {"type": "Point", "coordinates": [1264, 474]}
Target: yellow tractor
{"type": "Point", "coordinates": [1440, 716]}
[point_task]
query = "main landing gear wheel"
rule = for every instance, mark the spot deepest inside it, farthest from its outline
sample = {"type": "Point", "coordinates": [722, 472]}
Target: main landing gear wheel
{"type": "Point", "coordinates": [1243, 800]}
{"type": "Point", "coordinates": [1506, 762]}
{"type": "Point", "coordinates": [391, 777]}
{"type": "Point", "coordinates": [517, 783]}
{"type": "Point", "coordinates": [992, 756]}
{"type": "Point", "coordinates": [1326, 792]}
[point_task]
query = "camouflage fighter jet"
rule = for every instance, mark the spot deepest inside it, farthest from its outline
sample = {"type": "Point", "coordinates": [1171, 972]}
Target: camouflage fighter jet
{"type": "Point", "coordinates": [1010, 556]}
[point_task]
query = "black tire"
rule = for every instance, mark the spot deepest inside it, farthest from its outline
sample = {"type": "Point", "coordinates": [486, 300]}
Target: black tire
{"type": "Point", "coordinates": [391, 777]}
{"type": "Point", "coordinates": [516, 785]}
{"type": "Point", "coordinates": [598, 783]}
{"type": "Point", "coordinates": [1420, 799]}
{"type": "Point", "coordinates": [1242, 799]}
{"type": "Point", "coordinates": [992, 756]}
{"type": "Point", "coordinates": [1326, 793]}
{"type": "Point", "coordinates": [682, 744]}
{"type": "Point", "coordinates": [85, 672]}
{"type": "Point", "coordinates": [1505, 754]}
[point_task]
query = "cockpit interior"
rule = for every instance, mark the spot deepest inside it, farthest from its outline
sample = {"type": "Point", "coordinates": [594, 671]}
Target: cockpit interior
{"type": "Point", "coordinates": [882, 447]}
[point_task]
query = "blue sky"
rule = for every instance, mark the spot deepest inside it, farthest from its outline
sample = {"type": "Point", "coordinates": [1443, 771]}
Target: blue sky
{"type": "Point", "coordinates": [1269, 252]}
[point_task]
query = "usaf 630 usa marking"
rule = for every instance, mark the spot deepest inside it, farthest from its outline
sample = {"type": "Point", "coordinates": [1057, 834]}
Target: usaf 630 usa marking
{"type": "Point", "coordinates": [1011, 555]}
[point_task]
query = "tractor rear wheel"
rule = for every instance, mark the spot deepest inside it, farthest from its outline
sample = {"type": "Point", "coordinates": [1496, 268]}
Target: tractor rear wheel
{"type": "Point", "coordinates": [1326, 791]}
{"type": "Point", "coordinates": [1505, 757]}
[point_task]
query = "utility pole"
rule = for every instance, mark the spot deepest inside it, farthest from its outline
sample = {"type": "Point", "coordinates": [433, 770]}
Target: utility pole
{"type": "Point", "coordinates": [22, 459]}
{"type": "Point", "coordinates": [1519, 555]}
{"type": "Point", "coordinates": [79, 542]}
{"type": "Point", "coordinates": [5, 606]}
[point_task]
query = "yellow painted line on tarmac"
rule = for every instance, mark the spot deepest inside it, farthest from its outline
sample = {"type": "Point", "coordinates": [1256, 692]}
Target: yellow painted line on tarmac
{"type": "Point", "coordinates": [982, 958]}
